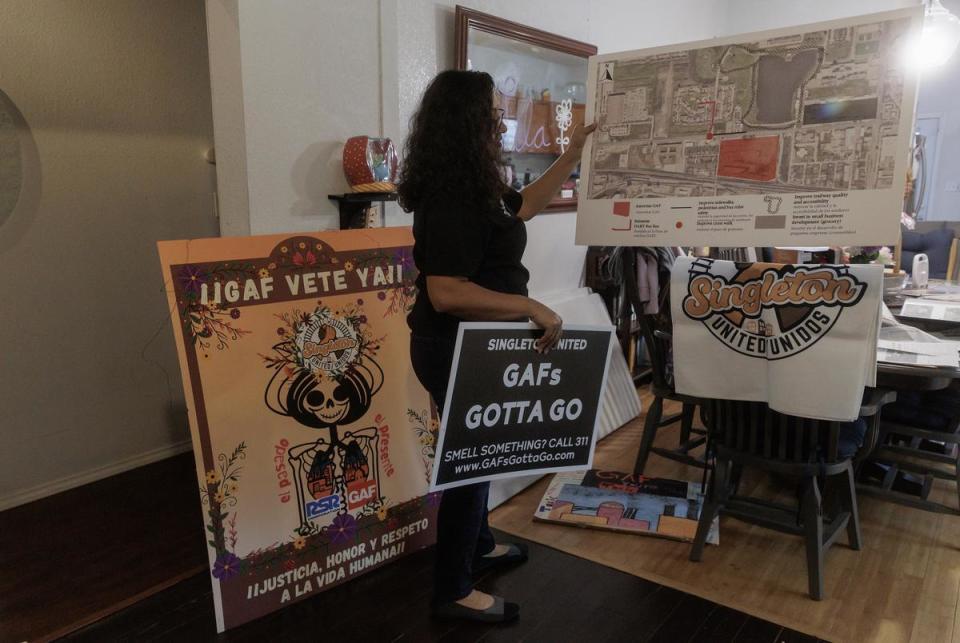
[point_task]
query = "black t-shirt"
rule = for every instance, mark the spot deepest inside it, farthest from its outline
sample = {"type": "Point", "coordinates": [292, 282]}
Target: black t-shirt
{"type": "Point", "coordinates": [459, 241]}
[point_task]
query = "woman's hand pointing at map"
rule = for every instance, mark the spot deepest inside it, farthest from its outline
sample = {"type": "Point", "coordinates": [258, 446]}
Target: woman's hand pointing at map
{"type": "Point", "coordinates": [579, 137]}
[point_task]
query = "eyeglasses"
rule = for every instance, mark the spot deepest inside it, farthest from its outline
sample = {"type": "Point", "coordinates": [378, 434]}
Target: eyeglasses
{"type": "Point", "coordinates": [500, 114]}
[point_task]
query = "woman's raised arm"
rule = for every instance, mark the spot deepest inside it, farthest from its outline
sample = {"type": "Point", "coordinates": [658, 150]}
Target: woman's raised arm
{"type": "Point", "coordinates": [538, 194]}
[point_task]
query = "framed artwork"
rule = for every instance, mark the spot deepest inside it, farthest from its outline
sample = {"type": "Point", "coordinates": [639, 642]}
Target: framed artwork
{"type": "Point", "coordinates": [541, 81]}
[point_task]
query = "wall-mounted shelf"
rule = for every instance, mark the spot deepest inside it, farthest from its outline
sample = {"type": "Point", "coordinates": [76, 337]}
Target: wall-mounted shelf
{"type": "Point", "coordinates": [354, 204]}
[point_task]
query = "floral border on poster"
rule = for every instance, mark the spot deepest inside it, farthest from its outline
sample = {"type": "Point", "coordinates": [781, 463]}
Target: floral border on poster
{"type": "Point", "coordinates": [205, 323]}
{"type": "Point", "coordinates": [219, 492]}
{"type": "Point", "coordinates": [426, 425]}
{"type": "Point", "coordinates": [208, 325]}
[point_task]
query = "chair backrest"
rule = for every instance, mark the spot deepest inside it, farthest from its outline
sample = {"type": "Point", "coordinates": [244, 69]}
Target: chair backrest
{"type": "Point", "coordinates": [658, 350]}
{"type": "Point", "coordinates": [952, 264]}
{"type": "Point", "coordinates": [936, 243]}
{"type": "Point", "coordinates": [752, 429]}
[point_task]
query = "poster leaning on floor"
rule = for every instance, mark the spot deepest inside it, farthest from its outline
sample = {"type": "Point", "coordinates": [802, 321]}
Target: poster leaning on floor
{"type": "Point", "coordinates": [312, 436]}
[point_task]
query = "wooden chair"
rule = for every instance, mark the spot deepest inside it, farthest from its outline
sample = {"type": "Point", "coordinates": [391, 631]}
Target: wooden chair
{"type": "Point", "coordinates": [658, 346]}
{"type": "Point", "coordinates": [656, 339]}
{"type": "Point", "coordinates": [749, 434]}
{"type": "Point", "coordinates": [952, 263]}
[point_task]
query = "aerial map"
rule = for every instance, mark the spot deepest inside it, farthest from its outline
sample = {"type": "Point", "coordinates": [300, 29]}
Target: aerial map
{"type": "Point", "coordinates": [774, 115]}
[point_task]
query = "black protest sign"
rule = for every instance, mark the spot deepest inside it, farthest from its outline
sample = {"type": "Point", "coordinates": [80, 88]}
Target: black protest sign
{"type": "Point", "coordinates": [513, 411]}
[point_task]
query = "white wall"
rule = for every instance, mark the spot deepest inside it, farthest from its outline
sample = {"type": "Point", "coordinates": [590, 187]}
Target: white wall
{"type": "Point", "coordinates": [311, 79]}
{"type": "Point", "coordinates": [620, 25]}
{"type": "Point", "coordinates": [940, 96]}
{"type": "Point", "coordinates": [115, 96]}
{"type": "Point", "coordinates": [755, 15]}
{"type": "Point", "coordinates": [223, 34]}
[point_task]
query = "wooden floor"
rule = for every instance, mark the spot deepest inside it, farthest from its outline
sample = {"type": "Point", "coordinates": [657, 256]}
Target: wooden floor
{"type": "Point", "coordinates": [903, 586]}
{"type": "Point", "coordinates": [123, 559]}
{"type": "Point", "coordinates": [71, 558]}
{"type": "Point", "coordinates": [563, 598]}
{"type": "Point", "coordinates": [92, 551]}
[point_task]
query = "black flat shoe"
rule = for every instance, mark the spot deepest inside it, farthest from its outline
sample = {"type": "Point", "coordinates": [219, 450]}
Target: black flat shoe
{"type": "Point", "coordinates": [517, 554]}
{"type": "Point", "coordinates": [500, 612]}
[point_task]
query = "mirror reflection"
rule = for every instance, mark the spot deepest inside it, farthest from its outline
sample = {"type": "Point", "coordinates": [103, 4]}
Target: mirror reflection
{"type": "Point", "coordinates": [542, 93]}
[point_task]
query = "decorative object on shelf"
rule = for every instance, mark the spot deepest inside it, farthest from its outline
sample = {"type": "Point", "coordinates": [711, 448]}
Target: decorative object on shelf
{"type": "Point", "coordinates": [370, 164]}
{"type": "Point", "coordinates": [564, 119]}
{"type": "Point", "coordinates": [540, 80]}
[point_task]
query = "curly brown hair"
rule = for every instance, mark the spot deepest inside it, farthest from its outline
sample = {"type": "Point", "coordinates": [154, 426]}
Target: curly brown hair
{"type": "Point", "coordinates": [452, 153]}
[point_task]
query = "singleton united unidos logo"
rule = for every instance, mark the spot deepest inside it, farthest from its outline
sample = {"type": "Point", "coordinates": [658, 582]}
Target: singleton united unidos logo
{"type": "Point", "coordinates": [327, 343]}
{"type": "Point", "coordinates": [767, 311]}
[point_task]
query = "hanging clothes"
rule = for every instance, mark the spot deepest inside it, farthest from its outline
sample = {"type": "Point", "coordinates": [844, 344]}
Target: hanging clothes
{"type": "Point", "coordinates": [652, 267]}
{"type": "Point", "coordinates": [648, 282]}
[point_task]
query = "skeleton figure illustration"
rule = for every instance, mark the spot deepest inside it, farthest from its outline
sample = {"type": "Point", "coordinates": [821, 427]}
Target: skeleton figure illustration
{"type": "Point", "coordinates": [329, 385]}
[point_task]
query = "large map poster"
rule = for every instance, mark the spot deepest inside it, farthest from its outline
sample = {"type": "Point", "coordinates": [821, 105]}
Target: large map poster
{"type": "Point", "coordinates": [792, 137]}
{"type": "Point", "coordinates": [313, 438]}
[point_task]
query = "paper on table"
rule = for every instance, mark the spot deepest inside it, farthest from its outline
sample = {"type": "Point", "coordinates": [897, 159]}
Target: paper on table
{"type": "Point", "coordinates": [920, 348]}
{"type": "Point", "coordinates": [931, 309]}
{"type": "Point", "coordinates": [955, 297]}
{"type": "Point", "coordinates": [916, 359]}
{"type": "Point", "coordinates": [886, 317]}
{"type": "Point", "coordinates": [908, 345]}
{"type": "Point", "coordinates": [904, 333]}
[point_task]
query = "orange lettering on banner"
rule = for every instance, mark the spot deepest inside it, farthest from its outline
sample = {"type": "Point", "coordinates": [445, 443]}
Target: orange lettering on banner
{"type": "Point", "coordinates": [311, 349]}
{"type": "Point", "coordinates": [709, 294]}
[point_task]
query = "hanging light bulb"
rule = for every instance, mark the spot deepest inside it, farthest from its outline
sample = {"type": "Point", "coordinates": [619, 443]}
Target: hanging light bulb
{"type": "Point", "coordinates": [938, 40]}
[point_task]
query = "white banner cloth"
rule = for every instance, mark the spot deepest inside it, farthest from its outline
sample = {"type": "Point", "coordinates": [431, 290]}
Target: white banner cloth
{"type": "Point", "coordinates": [801, 338]}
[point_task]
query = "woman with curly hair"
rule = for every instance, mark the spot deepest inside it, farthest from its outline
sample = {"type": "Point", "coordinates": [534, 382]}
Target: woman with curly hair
{"type": "Point", "coordinates": [470, 236]}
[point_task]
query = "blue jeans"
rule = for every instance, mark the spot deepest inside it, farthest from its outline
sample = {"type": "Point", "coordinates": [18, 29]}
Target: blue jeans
{"type": "Point", "coordinates": [462, 530]}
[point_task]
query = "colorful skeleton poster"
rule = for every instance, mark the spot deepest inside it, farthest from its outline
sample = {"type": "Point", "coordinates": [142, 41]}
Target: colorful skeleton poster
{"type": "Point", "coordinates": [313, 438]}
{"type": "Point", "coordinates": [798, 136]}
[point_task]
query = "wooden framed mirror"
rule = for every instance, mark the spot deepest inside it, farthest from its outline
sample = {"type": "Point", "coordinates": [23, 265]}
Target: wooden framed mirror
{"type": "Point", "coordinates": [541, 78]}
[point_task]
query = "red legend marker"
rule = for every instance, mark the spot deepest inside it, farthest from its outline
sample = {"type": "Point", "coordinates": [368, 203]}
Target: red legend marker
{"type": "Point", "coordinates": [621, 208]}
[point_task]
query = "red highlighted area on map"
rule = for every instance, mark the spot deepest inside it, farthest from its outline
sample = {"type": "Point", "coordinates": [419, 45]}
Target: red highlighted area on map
{"type": "Point", "coordinates": [753, 159]}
